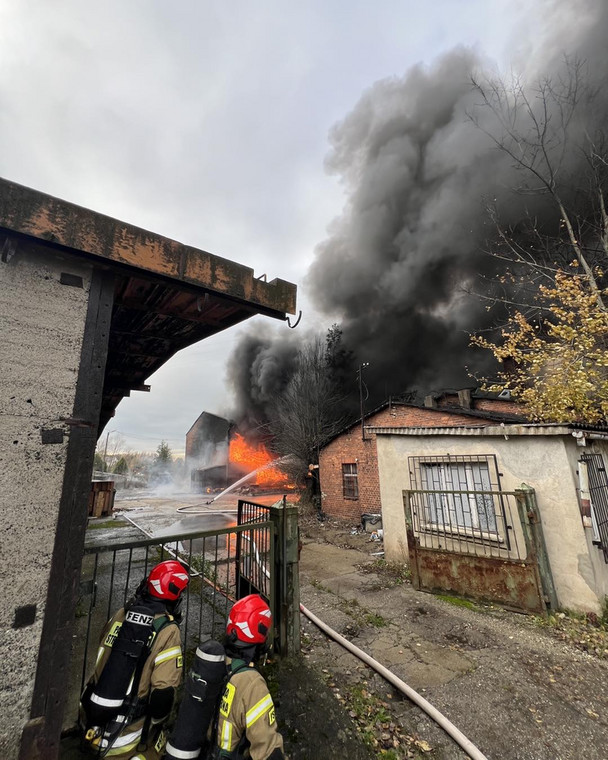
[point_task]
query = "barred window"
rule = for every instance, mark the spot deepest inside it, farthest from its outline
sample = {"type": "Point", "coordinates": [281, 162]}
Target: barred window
{"type": "Point", "coordinates": [458, 494]}
{"type": "Point", "coordinates": [350, 481]}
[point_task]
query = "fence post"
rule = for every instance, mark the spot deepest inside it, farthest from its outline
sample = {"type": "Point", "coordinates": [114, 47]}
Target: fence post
{"type": "Point", "coordinates": [533, 530]}
{"type": "Point", "coordinates": [286, 577]}
{"type": "Point", "coordinates": [411, 540]}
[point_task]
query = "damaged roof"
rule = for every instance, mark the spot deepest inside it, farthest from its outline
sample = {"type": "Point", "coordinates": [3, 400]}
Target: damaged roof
{"type": "Point", "coordinates": [483, 414]}
{"type": "Point", "coordinates": [167, 295]}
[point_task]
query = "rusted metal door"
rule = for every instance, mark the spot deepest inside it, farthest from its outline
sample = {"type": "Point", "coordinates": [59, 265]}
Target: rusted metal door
{"type": "Point", "coordinates": [498, 564]}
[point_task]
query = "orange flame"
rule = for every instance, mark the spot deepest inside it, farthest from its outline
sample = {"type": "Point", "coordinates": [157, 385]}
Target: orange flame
{"type": "Point", "coordinates": [253, 457]}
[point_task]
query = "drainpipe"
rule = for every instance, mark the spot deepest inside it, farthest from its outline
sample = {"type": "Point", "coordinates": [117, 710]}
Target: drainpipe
{"type": "Point", "coordinates": [361, 367]}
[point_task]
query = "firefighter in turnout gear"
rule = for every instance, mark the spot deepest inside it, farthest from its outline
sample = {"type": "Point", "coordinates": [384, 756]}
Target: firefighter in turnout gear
{"type": "Point", "coordinates": [246, 723]}
{"type": "Point", "coordinates": [138, 669]}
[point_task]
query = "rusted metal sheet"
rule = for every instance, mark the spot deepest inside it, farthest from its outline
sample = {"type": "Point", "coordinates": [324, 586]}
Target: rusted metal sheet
{"type": "Point", "coordinates": [512, 581]}
{"type": "Point", "coordinates": [42, 216]}
{"type": "Point", "coordinates": [506, 582]}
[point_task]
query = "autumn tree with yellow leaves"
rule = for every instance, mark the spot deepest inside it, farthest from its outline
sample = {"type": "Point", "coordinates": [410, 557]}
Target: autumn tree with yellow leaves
{"type": "Point", "coordinates": [550, 295]}
{"type": "Point", "coordinates": [560, 362]}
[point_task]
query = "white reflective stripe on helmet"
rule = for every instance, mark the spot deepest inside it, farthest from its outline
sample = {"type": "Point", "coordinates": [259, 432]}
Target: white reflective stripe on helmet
{"type": "Point", "coordinates": [210, 657]}
{"type": "Point", "coordinates": [258, 710]}
{"type": "Point", "coordinates": [103, 702]}
{"type": "Point", "coordinates": [157, 586]}
{"type": "Point", "coordinates": [182, 754]}
{"type": "Point", "coordinates": [245, 628]}
{"type": "Point", "coordinates": [167, 654]}
{"type": "Point", "coordinates": [265, 613]}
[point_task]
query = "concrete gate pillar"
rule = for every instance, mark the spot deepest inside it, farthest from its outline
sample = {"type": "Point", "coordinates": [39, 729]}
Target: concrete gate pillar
{"type": "Point", "coordinates": [55, 312]}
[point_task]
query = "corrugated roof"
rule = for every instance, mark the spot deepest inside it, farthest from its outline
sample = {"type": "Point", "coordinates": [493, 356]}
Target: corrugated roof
{"type": "Point", "coordinates": [531, 429]}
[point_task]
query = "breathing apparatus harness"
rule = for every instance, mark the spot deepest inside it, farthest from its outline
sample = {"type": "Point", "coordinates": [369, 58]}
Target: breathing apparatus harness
{"type": "Point", "coordinates": [112, 703]}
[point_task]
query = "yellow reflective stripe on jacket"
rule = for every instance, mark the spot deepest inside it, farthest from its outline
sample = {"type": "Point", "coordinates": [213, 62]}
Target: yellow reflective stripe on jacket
{"type": "Point", "coordinates": [258, 710]}
{"type": "Point", "coordinates": [167, 654]}
{"type": "Point", "coordinates": [226, 736]}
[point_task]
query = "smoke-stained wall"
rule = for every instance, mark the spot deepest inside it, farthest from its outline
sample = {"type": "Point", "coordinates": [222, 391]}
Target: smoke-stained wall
{"type": "Point", "coordinates": [418, 174]}
{"type": "Point", "coordinates": [42, 324]}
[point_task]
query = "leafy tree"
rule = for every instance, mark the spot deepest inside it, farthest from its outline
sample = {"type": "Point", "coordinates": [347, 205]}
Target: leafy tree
{"type": "Point", "coordinates": [163, 454]}
{"type": "Point", "coordinates": [121, 467]}
{"type": "Point", "coordinates": [560, 362]}
{"type": "Point", "coordinates": [98, 463]}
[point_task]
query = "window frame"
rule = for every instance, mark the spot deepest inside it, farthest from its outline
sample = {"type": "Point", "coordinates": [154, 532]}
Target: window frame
{"type": "Point", "coordinates": [351, 478]}
{"type": "Point", "coordinates": [450, 506]}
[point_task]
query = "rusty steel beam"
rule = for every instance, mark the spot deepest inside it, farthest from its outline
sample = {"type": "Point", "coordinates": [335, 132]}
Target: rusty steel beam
{"type": "Point", "coordinates": [32, 213]}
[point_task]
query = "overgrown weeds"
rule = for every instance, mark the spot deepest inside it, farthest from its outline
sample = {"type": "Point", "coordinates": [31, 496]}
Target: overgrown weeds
{"type": "Point", "coordinates": [376, 725]}
{"type": "Point", "coordinates": [588, 632]}
{"type": "Point", "coordinates": [458, 601]}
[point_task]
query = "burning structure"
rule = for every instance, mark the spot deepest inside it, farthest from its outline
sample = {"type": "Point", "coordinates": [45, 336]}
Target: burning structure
{"type": "Point", "coordinates": [207, 444]}
{"type": "Point", "coordinates": [218, 456]}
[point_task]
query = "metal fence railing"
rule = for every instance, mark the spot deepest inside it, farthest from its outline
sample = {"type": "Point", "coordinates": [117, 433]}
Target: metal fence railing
{"type": "Point", "coordinates": [219, 562]}
{"type": "Point", "coordinates": [474, 522]}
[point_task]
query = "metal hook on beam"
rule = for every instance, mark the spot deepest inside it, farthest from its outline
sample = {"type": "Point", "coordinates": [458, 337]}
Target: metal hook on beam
{"type": "Point", "coordinates": [297, 322]}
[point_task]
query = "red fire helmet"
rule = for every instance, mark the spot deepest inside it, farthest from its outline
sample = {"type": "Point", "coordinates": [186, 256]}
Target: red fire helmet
{"type": "Point", "coordinates": [167, 580]}
{"type": "Point", "coordinates": [250, 620]}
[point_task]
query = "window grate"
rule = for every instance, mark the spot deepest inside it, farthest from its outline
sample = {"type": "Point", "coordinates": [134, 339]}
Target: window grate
{"type": "Point", "coordinates": [460, 496]}
{"type": "Point", "coordinates": [598, 489]}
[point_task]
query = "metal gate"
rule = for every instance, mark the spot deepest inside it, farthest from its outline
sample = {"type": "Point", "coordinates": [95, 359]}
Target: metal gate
{"type": "Point", "coordinates": [598, 489]}
{"type": "Point", "coordinates": [252, 553]}
{"type": "Point", "coordinates": [498, 559]}
{"type": "Point", "coordinates": [220, 562]}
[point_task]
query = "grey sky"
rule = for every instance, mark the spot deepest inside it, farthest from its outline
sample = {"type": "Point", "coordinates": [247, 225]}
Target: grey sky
{"type": "Point", "coordinates": [208, 121]}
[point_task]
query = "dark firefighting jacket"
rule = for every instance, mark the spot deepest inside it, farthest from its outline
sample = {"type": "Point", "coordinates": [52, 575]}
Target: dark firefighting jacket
{"type": "Point", "coordinates": [247, 726]}
{"type": "Point", "coordinates": [162, 669]}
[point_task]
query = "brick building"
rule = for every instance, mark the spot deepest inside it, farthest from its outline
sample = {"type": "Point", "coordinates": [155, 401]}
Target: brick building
{"type": "Point", "coordinates": [348, 464]}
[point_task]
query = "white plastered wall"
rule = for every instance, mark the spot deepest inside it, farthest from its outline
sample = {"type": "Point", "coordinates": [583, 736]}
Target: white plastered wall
{"type": "Point", "coordinates": [41, 330]}
{"type": "Point", "coordinates": [541, 462]}
{"type": "Point", "coordinates": [591, 563]}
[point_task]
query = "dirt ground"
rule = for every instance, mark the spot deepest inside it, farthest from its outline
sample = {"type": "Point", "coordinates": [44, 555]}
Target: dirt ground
{"type": "Point", "coordinates": [511, 686]}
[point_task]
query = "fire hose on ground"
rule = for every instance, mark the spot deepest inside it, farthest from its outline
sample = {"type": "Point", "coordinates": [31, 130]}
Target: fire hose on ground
{"type": "Point", "coordinates": [460, 739]}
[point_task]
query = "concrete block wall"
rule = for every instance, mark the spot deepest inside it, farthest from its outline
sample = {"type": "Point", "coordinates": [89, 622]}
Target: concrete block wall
{"type": "Point", "coordinates": [349, 448]}
{"type": "Point", "coordinates": [41, 330]}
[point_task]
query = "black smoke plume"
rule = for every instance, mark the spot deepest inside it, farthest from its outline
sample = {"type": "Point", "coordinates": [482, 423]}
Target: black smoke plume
{"type": "Point", "coordinates": [418, 174]}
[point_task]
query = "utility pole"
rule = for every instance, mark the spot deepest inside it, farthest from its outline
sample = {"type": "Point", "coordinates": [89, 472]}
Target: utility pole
{"type": "Point", "coordinates": [360, 372]}
{"type": "Point", "coordinates": [105, 450]}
